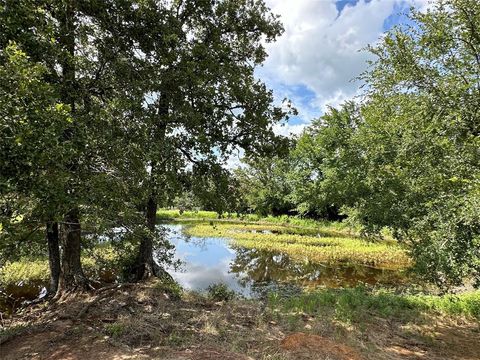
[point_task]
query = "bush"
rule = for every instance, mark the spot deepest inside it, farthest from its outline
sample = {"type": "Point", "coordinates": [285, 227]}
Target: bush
{"type": "Point", "coordinates": [220, 292]}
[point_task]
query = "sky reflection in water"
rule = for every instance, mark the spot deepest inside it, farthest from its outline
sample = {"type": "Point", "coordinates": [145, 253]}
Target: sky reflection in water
{"type": "Point", "coordinates": [251, 271]}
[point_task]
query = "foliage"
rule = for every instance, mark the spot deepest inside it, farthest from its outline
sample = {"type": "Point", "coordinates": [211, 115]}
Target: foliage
{"type": "Point", "coordinates": [214, 188]}
{"type": "Point", "coordinates": [31, 156]}
{"type": "Point", "coordinates": [220, 292]}
{"type": "Point", "coordinates": [264, 187]}
{"type": "Point", "coordinates": [424, 180]}
{"type": "Point", "coordinates": [405, 157]}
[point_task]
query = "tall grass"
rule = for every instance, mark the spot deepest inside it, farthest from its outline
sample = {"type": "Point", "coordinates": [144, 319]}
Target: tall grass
{"type": "Point", "coordinates": [357, 304]}
{"type": "Point", "coordinates": [28, 271]}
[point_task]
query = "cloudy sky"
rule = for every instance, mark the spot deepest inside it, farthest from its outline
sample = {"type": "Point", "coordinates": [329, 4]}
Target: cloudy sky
{"type": "Point", "coordinates": [314, 62]}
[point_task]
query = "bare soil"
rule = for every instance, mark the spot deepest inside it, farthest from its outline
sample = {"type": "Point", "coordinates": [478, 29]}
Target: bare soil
{"type": "Point", "coordinates": [142, 322]}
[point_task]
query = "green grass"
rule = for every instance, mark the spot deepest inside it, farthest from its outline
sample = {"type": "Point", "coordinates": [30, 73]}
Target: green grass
{"type": "Point", "coordinates": [284, 220]}
{"type": "Point", "coordinates": [115, 330]}
{"type": "Point", "coordinates": [30, 271]}
{"type": "Point", "coordinates": [331, 246]}
{"type": "Point", "coordinates": [166, 214]}
{"type": "Point", "coordinates": [359, 304]}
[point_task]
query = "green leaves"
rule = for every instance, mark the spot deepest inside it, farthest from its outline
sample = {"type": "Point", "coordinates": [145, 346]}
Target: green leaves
{"type": "Point", "coordinates": [407, 156]}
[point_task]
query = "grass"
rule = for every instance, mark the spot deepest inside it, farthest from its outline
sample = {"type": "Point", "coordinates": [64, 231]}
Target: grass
{"type": "Point", "coordinates": [28, 271]}
{"type": "Point", "coordinates": [8, 333]}
{"type": "Point", "coordinates": [358, 304]}
{"type": "Point", "coordinates": [285, 220]}
{"type": "Point", "coordinates": [33, 271]}
{"type": "Point", "coordinates": [167, 214]}
{"type": "Point", "coordinates": [331, 246]}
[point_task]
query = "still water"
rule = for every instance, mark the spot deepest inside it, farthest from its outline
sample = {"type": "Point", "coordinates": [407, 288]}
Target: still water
{"type": "Point", "coordinates": [249, 272]}
{"type": "Point", "coordinates": [252, 272]}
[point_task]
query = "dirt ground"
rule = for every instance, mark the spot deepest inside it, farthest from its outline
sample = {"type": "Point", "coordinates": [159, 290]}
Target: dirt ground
{"type": "Point", "coordinates": [142, 322]}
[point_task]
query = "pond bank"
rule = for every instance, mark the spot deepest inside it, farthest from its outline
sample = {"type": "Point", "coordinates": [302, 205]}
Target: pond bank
{"type": "Point", "coordinates": [144, 321]}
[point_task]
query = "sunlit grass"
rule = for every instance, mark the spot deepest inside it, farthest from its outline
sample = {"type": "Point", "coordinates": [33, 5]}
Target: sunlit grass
{"type": "Point", "coordinates": [26, 271]}
{"type": "Point", "coordinates": [188, 214]}
{"type": "Point", "coordinates": [290, 223]}
{"type": "Point", "coordinates": [329, 246]}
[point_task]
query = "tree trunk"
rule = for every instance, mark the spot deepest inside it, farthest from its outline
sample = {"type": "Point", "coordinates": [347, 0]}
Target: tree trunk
{"type": "Point", "coordinates": [53, 255]}
{"type": "Point", "coordinates": [72, 276]}
{"type": "Point", "coordinates": [145, 264]}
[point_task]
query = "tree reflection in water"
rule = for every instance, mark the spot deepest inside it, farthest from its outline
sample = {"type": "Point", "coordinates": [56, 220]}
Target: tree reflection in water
{"type": "Point", "coordinates": [253, 272]}
{"type": "Point", "coordinates": [254, 266]}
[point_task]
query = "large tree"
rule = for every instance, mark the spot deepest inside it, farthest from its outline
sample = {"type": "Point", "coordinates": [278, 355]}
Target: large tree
{"type": "Point", "coordinates": [82, 66]}
{"type": "Point", "coordinates": [201, 97]}
{"type": "Point", "coordinates": [424, 90]}
{"type": "Point", "coordinates": [408, 157]}
{"type": "Point", "coordinates": [149, 88]}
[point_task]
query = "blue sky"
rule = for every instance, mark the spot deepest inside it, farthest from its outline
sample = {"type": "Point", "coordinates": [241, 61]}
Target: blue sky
{"type": "Point", "coordinates": [316, 59]}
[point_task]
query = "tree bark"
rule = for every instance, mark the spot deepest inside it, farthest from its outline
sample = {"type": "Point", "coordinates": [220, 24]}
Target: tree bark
{"type": "Point", "coordinates": [145, 264]}
{"type": "Point", "coordinates": [72, 276]}
{"type": "Point", "coordinates": [53, 255]}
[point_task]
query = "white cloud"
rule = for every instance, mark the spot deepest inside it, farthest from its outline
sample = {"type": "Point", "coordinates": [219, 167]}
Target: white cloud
{"type": "Point", "coordinates": [321, 49]}
{"type": "Point", "coordinates": [316, 60]}
{"type": "Point", "coordinates": [288, 129]}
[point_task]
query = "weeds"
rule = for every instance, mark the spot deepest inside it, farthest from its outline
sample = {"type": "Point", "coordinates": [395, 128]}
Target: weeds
{"type": "Point", "coordinates": [115, 330]}
{"type": "Point", "coordinates": [173, 289]}
{"type": "Point", "coordinates": [220, 292]}
{"type": "Point", "coordinates": [358, 304]}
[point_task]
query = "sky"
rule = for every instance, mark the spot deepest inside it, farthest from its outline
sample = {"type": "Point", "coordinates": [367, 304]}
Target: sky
{"type": "Point", "coordinates": [315, 61]}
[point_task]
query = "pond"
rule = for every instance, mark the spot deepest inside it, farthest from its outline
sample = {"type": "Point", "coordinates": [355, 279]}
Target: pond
{"type": "Point", "coordinates": [249, 272]}
{"type": "Point", "coordinates": [253, 272]}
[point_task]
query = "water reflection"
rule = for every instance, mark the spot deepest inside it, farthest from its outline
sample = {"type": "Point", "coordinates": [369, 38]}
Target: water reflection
{"type": "Point", "coordinates": [250, 271]}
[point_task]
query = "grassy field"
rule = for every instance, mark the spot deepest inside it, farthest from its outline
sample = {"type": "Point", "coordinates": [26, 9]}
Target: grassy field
{"type": "Point", "coordinates": [357, 304]}
{"type": "Point", "coordinates": [292, 221]}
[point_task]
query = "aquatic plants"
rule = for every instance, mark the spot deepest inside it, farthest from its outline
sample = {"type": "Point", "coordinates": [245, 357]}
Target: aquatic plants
{"type": "Point", "coordinates": [324, 247]}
